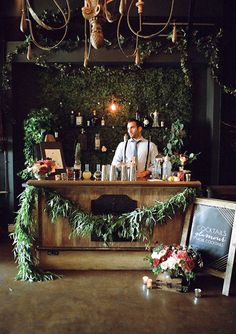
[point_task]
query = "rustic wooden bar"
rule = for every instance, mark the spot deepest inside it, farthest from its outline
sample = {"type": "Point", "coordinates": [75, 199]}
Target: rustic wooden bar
{"type": "Point", "coordinates": [57, 250]}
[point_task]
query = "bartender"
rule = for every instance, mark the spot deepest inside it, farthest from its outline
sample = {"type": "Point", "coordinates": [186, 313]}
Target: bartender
{"type": "Point", "coordinates": [137, 148]}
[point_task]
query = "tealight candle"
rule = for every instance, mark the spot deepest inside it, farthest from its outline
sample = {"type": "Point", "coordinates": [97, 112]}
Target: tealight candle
{"type": "Point", "coordinates": [198, 293]}
{"type": "Point", "coordinates": [149, 283]}
{"type": "Point", "coordinates": [145, 279]}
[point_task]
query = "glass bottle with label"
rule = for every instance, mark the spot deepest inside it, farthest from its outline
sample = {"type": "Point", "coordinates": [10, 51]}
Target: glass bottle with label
{"type": "Point", "coordinates": [97, 142]}
{"type": "Point", "coordinates": [79, 119]}
{"type": "Point", "coordinates": [94, 119]}
{"type": "Point", "coordinates": [86, 173]}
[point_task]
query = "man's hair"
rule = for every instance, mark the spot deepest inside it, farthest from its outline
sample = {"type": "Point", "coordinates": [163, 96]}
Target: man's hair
{"type": "Point", "coordinates": [138, 123]}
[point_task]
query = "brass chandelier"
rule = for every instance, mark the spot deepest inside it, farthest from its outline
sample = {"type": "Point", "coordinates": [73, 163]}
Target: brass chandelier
{"type": "Point", "coordinates": [95, 14]}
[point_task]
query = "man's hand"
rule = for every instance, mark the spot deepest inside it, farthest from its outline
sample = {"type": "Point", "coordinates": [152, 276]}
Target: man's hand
{"type": "Point", "coordinates": [143, 174]}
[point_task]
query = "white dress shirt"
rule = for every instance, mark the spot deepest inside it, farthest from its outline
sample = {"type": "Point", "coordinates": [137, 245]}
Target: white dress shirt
{"type": "Point", "coordinates": [142, 150]}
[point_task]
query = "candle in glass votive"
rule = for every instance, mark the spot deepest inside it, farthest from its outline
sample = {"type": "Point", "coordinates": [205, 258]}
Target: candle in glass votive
{"type": "Point", "coordinates": [145, 279]}
{"type": "Point", "coordinates": [198, 293]}
{"type": "Point", "coordinates": [149, 283]}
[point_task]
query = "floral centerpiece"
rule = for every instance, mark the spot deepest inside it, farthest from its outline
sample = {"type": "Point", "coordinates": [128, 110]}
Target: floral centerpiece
{"type": "Point", "coordinates": [177, 261]}
{"type": "Point", "coordinates": [42, 168]}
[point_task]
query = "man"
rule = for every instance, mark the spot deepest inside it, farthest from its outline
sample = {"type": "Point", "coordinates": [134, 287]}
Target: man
{"type": "Point", "coordinates": [136, 147]}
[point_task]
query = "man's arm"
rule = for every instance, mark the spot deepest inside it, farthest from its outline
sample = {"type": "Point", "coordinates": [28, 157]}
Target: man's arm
{"type": "Point", "coordinates": [118, 157]}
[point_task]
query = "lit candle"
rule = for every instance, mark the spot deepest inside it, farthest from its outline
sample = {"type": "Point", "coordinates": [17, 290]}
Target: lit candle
{"type": "Point", "coordinates": [145, 279]}
{"type": "Point", "coordinates": [149, 283]}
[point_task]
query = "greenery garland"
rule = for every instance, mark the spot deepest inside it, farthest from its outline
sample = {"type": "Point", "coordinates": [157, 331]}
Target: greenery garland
{"type": "Point", "coordinates": [207, 45]}
{"type": "Point", "coordinates": [24, 237]}
{"type": "Point", "coordinates": [138, 224]}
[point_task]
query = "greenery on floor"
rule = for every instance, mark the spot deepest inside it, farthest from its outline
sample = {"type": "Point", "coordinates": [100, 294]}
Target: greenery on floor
{"type": "Point", "coordinates": [138, 224]}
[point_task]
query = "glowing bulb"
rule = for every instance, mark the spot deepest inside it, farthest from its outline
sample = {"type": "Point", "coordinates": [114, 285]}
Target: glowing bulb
{"type": "Point", "coordinates": [113, 106]}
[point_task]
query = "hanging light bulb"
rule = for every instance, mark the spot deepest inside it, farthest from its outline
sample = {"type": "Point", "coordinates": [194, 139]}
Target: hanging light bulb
{"type": "Point", "coordinates": [114, 105]}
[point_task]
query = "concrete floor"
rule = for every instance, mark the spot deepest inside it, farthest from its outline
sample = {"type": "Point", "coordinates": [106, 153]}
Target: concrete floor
{"type": "Point", "coordinates": [102, 302]}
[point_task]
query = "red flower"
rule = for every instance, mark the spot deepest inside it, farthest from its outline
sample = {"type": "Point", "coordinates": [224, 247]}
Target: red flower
{"type": "Point", "coordinates": [156, 262]}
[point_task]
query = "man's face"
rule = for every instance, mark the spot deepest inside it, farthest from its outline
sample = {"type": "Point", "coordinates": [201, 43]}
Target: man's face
{"type": "Point", "coordinates": [134, 131]}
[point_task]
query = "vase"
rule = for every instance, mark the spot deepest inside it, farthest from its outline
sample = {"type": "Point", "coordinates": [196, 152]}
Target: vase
{"type": "Point", "coordinates": [165, 281]}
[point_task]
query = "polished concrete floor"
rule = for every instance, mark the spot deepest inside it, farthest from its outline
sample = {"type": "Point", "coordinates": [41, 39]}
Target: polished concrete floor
{"type": "Point", "coordinates": [108, 302]}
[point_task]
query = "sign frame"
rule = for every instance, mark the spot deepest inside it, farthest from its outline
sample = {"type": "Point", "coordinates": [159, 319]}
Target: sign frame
{"type": "Point", "coordinates": [188, 226]}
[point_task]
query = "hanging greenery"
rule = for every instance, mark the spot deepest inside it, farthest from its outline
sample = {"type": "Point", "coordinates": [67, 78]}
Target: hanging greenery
{"type": "Point", "coordinates": [206, 45]}
{"type": "Point", "coordinates": [138, 224]}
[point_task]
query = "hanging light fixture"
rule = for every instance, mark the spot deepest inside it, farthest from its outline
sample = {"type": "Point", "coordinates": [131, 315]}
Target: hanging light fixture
{"type": "Point", "coordinates": [95, 14]}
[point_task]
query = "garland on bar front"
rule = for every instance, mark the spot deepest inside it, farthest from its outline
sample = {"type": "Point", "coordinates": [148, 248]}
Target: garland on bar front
{"type": "Point", "coordinates": [136, 225]}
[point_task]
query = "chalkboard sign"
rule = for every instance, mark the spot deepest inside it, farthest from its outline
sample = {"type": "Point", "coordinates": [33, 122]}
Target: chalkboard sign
{"type": "Point", "coordinates": [213, 233]}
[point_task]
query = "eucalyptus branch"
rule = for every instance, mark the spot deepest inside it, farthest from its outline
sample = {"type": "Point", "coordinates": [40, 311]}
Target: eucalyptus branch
{"type": "Point", "coordinates": [25, 235]}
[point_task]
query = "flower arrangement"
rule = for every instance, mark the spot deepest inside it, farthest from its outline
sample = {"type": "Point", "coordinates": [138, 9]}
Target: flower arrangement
{"type": "Point", "coordinates": [42, 168]}
{"type": "Point", "coordinates": [177, 261]}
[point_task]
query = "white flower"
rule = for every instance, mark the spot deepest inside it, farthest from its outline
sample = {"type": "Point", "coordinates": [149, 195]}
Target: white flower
{"type": "Point", "coordinates": [164, 265]}
{"type": "Point", "coordinates": [171, 262]}
{"type": "Point", "coordinates": [154, 255]}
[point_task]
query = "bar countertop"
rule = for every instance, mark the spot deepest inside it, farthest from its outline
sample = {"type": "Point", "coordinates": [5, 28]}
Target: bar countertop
{"type": "Point", "coordinates": [133, 184]}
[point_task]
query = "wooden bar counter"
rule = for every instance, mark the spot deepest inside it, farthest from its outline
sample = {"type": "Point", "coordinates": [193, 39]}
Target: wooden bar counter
{"type": "Point", "coordinates": [57, 250]}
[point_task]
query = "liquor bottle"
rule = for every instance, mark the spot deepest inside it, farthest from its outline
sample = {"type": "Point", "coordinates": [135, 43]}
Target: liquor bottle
{"type": "Point", "coordinates": [98, 174]}
{"type": "Point", "coordinates": [72, 117]}
{"type": "Point", "coordinates": [86, 173]}
{"type": "Point", "coordinates": [137, 115]}
{"type": "Point", "coordinates": [79, 119]}
{"type": "Point", "coordinates": [103, 122]}
{"type": "Point", "coordinates": [146, 122]}
{"type": "Point", "coordinates": [97, 142]}
{"type": "Point", "coordinates": [94, 119]}
{"type": "Point", "coordinates": [56, 135]}
{"type": "Point", "coordinates": [83, 140]}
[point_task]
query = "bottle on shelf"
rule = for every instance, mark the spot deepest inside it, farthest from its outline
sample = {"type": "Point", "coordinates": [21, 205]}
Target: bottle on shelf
{"type": "Point", "coordinates": [94, 119]}
{"type": "Point", "coordinates": [86, 173]}
{"type": "Point", "coordinates": [56, 135]}
{"type": "Point", "coordinates": [83, 140]}
{"type": "Point", "coordinates": [146, 122]}
{"type": "Point", "coordinates": [72, 117]}
{"type": "Point", "coordinates": [79, 119]}
{"type": "Point", "coordinates": [155, 118]}
{"type": "Point", "coordinates": [103, 122]}
{"type": "Point", "coordinates": [97, 142]}
{"type": "Point", "coordinates": [137, 115]}
{"type": "Point", "coordinates": [98, 174]}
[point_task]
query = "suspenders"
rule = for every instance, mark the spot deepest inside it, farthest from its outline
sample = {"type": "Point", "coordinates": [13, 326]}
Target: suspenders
{"type": "Point", "coordinates": [148, 149]}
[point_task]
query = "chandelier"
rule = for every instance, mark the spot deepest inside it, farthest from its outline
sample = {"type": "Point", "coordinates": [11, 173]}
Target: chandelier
{"type": "Point", "coordinates": [95, 14]}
